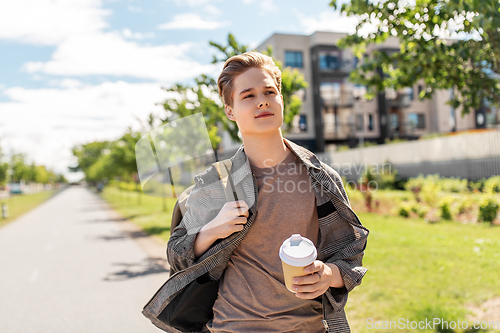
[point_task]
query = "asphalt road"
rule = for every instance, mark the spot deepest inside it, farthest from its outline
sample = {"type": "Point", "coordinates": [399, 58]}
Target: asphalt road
{"type": "Point", "coordinates": [71, 265]}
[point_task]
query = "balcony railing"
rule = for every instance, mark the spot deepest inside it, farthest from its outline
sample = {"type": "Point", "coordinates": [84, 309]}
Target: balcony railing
{"type": "Point", "coordinates": [398, 99]}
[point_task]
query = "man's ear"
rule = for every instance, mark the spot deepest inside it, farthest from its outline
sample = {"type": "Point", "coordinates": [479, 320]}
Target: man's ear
{"type": "Point", "coordinates": [229, 112]}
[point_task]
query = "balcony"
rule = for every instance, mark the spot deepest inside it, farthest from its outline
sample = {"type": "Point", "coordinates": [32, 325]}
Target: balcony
{"type": "Point", "coordinates": [336, 95]}
{"type": "Point", "coordinates": [398, 99]}
{"type": "Point", "coordinates": [334, 67]}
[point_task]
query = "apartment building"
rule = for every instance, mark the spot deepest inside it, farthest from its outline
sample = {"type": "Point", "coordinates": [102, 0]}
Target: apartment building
{"type": "Point", "coordinates": [335, 110]}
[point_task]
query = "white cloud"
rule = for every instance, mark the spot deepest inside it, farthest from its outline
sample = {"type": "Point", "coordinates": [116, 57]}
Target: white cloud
{"type": "Point", "coordinates": [267, 6]}
{"type": "Point", "coordinates": [213, 10]}
{"type": "Point", "coordinates": [127, 33]}
{"type": "Point", "coordinates": [109, 54]}
{"type": "Point", "coordinates": [247, 2]}
{"type": "Point", "coordinates": [191, 21]}
{"type": "Point", "coordinates": [66, 83]}
{"type": "Point", "coordinates": [191, 3]}
{"type": "Point", "coordinates": [134, 9]}
{"type": "Point", "coordinates": [46, 123]}
{"type": "Point", "coordinates": [326, 21]}
{"type": "Point", "coordinates": [49, 22]}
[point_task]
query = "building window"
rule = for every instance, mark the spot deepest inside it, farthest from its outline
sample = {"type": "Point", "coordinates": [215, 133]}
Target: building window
{"type": "Point", "coordinates": [303, 123]}
{"type": "Point", "coordinates": [370, 122]}
{"type": "Point", "coordinates": [329, 60]}
{"type": "Point", "coordinates": [394, 122]}
{"type": "Point", "coordinates": [301, 93]}
{"type": "Point", "coordinates": [359, 92]}
{"type": "Point", "coordinates": [359, 123]}
{"type": "Point", "coordinates": [293, 59]}
{"type": "Point", "coordinates": [417, 120]}
{"type": "Point", "coordinates": [410, 93]}
{"type": "Point", "coordinates": [420, 88]}
{"type": "Point", "coordinates": [330, 93]}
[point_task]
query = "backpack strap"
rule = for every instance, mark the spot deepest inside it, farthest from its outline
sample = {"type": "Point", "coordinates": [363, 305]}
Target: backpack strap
{"type": "Point", "coordinates": [223, 168]}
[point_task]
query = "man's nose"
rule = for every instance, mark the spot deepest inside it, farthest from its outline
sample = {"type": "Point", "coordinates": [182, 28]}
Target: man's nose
{"type": "Point", "coordinates": [263, 103]}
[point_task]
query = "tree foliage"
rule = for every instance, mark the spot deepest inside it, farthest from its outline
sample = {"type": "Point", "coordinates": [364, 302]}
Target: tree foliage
{"type": "Point", "coordinates": [105, 160]}
{"type": "Point", "coordinates": [450, 44]}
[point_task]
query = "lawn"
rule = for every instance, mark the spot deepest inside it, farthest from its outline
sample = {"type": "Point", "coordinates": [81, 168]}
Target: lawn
{"type": "Point", "coordinates": [416, 270]}
{"type": "Point", "coordinates": [23, 203]}
{"type": "Point", "coordinates": [147, 212]}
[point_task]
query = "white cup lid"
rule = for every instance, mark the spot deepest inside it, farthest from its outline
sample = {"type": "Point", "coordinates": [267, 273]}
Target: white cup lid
{"type": "Point", "coordinates": [298, 251]}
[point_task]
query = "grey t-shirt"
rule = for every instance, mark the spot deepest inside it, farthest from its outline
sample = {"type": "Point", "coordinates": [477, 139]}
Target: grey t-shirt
{"type": "Point", "coordinates": [252, 294]}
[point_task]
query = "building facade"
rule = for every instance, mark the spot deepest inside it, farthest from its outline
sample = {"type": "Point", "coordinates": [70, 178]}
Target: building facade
{"type": "Point", "coordinates": [335, 111]}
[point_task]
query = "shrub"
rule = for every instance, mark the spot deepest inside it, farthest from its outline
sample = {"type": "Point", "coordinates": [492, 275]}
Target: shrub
{"type": "Point", "coordinates": [385, 176]}
{"type": "Point", "coordinates": [420, 209]}
{"type": "Point", "coordinates": [477, 185]}
{"type": "Point", "coordinates": [492, 185]}
{"type": "Point", "coordinates": [488, 209]}
{"type": "Point", "coordinates": [445, 208]}
{"type": "Point", "coordinates": [425, 189]}
{"type": "Point", "coordinates": [455, 185]}
{"type": "Point", "coordinates": [404, 209]}
{"type": "Point", "coordinates": [465, 204]}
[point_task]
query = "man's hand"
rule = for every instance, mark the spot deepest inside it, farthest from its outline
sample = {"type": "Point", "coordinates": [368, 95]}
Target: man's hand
{"type": "Point", "coordinates": [231, 218]}
{"type": "Point", "coordinates": [321, 277]}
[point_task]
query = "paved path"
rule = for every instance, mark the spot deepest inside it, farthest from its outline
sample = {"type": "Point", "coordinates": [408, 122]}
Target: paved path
{"type": "Point", "coordinates": [71, 265]}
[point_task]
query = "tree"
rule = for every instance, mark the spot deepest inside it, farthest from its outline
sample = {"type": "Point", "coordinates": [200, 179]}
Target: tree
{"type": "Point", "coordinates": [122, 155]}
{"type": "Point", "coordinates": [20, 170]}
{"type": "Point", "coordinates": [429, 48]}
{"type": "Point", "coordinates": [88, 154]}
{"type": "Point", "coordinates": [4, 167]}
{"type": "Point", "coordinates": [203, 97]}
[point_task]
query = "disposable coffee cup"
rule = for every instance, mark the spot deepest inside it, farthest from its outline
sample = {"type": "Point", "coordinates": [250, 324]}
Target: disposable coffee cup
{"type": "Point", "coordinates": [296, 253]}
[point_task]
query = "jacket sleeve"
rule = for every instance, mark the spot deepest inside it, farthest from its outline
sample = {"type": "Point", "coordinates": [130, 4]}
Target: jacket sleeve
{"type": "Point", "coordinates": [348, 257]}
{"type": "Point", "coordinates": [180, 246]}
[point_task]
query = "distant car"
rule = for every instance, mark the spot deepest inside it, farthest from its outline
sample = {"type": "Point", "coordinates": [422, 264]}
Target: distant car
{"type": "Point", "coordinates": [16, 188]}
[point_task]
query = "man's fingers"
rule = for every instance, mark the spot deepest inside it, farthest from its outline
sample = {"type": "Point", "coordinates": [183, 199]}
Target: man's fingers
{"type": "Point", "coordinates": [245, 214]}
{"type": "Point", "coordinates": [240, 220]}
{"type": "Point", "coordinates": [242, 208]}
{"type": "Point", "coordinates": [306, 295]}
{"type": "Point", "coordinates": [314, 267]}
{"type": "Point", "coordinates": [307, 288]}
{"type": "Point", "coordinates": [308, 279]}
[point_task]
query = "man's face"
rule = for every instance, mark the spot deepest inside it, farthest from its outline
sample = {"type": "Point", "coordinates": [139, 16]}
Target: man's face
{"type": "Point", "coordinates": [257, 104]}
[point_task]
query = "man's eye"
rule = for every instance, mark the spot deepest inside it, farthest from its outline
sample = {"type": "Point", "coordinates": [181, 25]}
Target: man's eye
{"type": "Point", "coordinates": [272, 92]}
{"type": "Point", "coordinates": [248, 96]}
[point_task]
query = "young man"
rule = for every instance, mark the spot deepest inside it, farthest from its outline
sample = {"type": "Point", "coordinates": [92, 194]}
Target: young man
{"type": "Point", "coordinates": [294, 193]}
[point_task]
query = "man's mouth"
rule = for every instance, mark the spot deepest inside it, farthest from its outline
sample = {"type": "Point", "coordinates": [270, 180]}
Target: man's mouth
{"type": "Point", "coordinates": [264, 114]}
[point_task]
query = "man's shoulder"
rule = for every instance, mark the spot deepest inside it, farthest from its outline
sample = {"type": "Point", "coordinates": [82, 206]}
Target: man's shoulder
{"type": "Point", "coordinates": [331, 171]}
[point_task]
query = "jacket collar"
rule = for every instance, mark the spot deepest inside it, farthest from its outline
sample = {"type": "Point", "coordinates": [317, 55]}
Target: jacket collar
{"type": "Point", "coordinates": [241, 165]}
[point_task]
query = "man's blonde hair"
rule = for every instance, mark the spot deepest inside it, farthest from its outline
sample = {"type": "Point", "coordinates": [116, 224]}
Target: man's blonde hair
{"type": "Point", "coordinates": [239, 64]}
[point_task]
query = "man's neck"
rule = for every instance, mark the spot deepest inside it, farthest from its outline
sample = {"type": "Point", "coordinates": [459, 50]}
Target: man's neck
{"type": "Point", "coordinates": [265, 151]}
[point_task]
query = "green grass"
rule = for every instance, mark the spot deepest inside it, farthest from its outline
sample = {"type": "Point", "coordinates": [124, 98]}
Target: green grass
{"type": "Point", "coordinates": [145, 211]}
{"type": "Point", "coordinates": [418, 270]}
{"type": "Point", "coordinates": [23, 203]}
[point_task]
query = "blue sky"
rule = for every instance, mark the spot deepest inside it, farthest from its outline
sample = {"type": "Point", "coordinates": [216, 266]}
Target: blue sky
{"type": "Point", "coordinates": [82, 70]}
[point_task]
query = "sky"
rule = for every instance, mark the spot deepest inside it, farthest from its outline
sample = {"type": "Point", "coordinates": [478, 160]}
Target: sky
{"type": "Point", "coordinates": [73, 72]}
